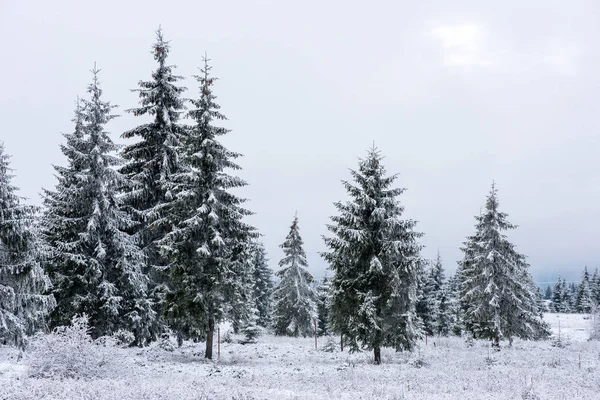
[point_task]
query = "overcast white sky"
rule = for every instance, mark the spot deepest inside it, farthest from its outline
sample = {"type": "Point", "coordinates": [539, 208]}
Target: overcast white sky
{"type": "Point", "coordinates": [455, 94]}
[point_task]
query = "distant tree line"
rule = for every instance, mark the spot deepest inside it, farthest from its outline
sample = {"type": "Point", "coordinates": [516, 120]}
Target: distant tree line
{"type": "Point", "coordinates": [575, 298]}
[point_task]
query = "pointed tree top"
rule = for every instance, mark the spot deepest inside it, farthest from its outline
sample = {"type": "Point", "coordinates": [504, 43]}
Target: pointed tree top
{"type": "Point", "coordinates": [161, 48]}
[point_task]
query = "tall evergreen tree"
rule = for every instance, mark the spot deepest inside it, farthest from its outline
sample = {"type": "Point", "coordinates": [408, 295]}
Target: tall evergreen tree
{"type": "Point", "coordinates": [263, 285]}
{"type": "Point", "coordinates": [497, 291]}
{"type": "Point", "coordinates": [151, 162]}
{"type": "Point", "coordinates": [24, 286]}
{"type": "Point", "coordinates": [295, 299]}
{"type": "Point", "coordinates": [95, 264]}
{"type": "Point", "coordinates": [375, 258]}
{"type": "Point", "coordinates": [585, 300]}
{"type": "Point", "coordinates": [208, 246]}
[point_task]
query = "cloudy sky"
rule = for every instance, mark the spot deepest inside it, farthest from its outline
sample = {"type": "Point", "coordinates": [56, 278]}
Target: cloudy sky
{"type": "Point", "coordinates": [455, 94]}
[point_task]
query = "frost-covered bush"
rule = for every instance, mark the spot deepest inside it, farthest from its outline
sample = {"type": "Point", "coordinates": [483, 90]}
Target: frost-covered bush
{"type": "Point", "coordinates": [166, 344]}
{"type": "Point", "coordinates": [330, 345]}
{"type": "Point", "coordinates": [66, 352]}
{"type": "Point", "coordinates": [123, 338]}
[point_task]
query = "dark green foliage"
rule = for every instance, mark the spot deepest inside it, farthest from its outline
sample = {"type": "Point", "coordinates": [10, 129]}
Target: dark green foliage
{"type": "Point", "coordinates": [151, 162]}
{"type": "Point", "coordinates": [497, 292]}
{"type": "Point", "coordinates": [323, 305]}
{"type": "Point", "coordinates": [94, 264]}
{"type": "Point", "coordinates": [295, 300]}
{"type": "Point", "coordinates": [208, 246]}
{"type": "Point", "coordinates": [375, 258]}
{"type": "Point", "coordinates": [24, 301]}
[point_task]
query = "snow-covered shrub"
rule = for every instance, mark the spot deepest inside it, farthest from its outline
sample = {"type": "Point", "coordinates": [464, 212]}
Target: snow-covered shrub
{"type": "Point", "coordinates": [330, 345]}
{"type": "Point", "coordinates": [227, 338]}
{"type": "Point", "coordinates": [166, 344]}
{"type": "Point", "coordinates": [66, 352]}
{"type": "Point", "coordinates": [251, 333]}
{"type": "Point", "coordinates": [123, 338]}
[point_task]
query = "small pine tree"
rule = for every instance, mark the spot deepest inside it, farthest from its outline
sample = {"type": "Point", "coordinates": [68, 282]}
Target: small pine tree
{"type": "Point", "coordinates": [548, 293]}
{"type": "Point", "coordinates": [572, 291]}
{"type": "Point", "coordinates": [323, 305]}
{"type": "Point", "coordinates": [208, 246]}
{"type": "Point", "coordinates": [263, 285]}
{"type": "Point", "coordinates": [24, 302]}
{"type": "Point", "coordinates": [584, 301]}
{"type": "Point", "coordinates": [444, 320]}
{"type": "Point", "coordinates": [295, 300]}
{"type": "Point", "coordinates": [558, 304]}
{"type": "Point", "coordinates": [455, 310]}
{"type": "Point", "coordinates": [375, 258]}
{"type": "Point", "coordinates": [497, 292]}
{"type": "Point", "coordinates": [595, 286]}
{"type": "Point", "coordinates": [566, 296]}
{"type": "Point", "coordinates": [440, 299]}
{"type": "Point", "coordinates": [425, 307]}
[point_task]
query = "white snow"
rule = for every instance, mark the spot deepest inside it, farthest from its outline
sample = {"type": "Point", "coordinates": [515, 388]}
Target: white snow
{"type": "Point", "coordinates": [287, 368]}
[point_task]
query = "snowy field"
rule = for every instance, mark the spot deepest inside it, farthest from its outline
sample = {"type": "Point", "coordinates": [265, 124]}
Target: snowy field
{"type": "Point", "coordinates": [284, 368]}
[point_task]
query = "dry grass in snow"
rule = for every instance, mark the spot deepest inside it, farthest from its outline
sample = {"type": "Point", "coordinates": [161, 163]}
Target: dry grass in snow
{"type": "Point", "coordinates": [285, 368]}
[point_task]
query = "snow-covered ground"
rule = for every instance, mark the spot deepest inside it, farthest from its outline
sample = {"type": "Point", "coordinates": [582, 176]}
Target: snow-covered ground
{"type": "Point", "coordinates": [284, 368]}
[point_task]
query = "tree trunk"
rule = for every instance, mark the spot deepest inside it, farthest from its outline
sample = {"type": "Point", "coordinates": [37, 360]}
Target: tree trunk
{"type": "Point", "coordinates": [377, 352]}
{"type": "Point", "coordinates": [209, 338]}
{"type": "Point", "coordinates": [496, 342]}
{"type": "Point", "coordinates": [342, 343]}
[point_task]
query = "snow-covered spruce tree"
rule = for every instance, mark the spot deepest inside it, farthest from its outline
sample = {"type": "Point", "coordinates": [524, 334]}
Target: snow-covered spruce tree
{"type": "Point", "coordinates": [497, 292]}
{"type": "Point", "coordinates": [595, 285]}
{"type": "Point", "coordinates": [558, 297]}
{"type": "Point", "coordinates": [263, 284]}
{"type": "Point", "coordinates": [295, 306]}
{"type": "Point", "coordinates": [94, 264]}
{"type": "Point", "coordinates": [548, 293]}
{"type": "Point", "coordinates": [150, 163]}
{"type": "Point", "coordinates": [566, 296]}
{"type": "Point", "coordinates": [572, 294]}
{"type": "Point", "coordinates": [425, 296]}
{"type": "Point", "coordinates": [432, 297]}
{"type": "Point", "coordinates": [441, 323]}
{"type": "Point", "coordinates": [207, 247]}
{"type": "Point", "coordinates": [375, 256]}
{"type": "Point", "coordinates": [24, 286]}
{"type": "Point", "coordinates": [455, 311]}
{"type": "Point", "coordinates": [444, 318]}
{"type": "Point", "coordinates": [323, 305]}
{"type": "Point", "coordinates": [584, 301]}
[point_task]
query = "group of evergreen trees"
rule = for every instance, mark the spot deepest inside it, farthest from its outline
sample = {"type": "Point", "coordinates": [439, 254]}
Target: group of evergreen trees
{"type": "Point", "coordinates": [144, 238]}
{"type": "Point", "coordinates": [150, 237]}
{"type": "Point", "coordinates": [573, 298]}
